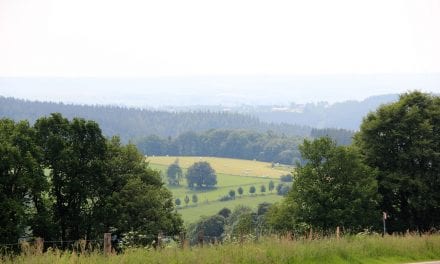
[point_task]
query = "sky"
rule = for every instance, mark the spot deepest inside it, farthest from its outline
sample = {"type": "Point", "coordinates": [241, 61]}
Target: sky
{"type": "Point", "coordinates": [174, 39]}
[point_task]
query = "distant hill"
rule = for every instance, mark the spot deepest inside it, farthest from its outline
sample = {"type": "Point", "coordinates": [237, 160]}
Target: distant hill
{"type": "Point", "coordinates": [346, 115]}
{"type": "Point", "coordinates": [134, 123]}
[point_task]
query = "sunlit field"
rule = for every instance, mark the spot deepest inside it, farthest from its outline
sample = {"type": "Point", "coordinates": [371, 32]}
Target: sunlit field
{"type": "Point", "coordinates": [237, 167]}
{"type": "Point", "coordinates": [208, 199]}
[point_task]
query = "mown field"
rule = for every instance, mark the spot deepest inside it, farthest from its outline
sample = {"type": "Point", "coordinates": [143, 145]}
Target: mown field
{"type": "Point", "coordinates": [237, 167]}
{"type": "Point", "coordinates": [231, 174]}
{"type": "Point", "coordinates": [352, 249]}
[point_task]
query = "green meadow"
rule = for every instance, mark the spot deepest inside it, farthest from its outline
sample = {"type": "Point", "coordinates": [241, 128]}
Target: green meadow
{"type": "Point", "coordinates": [253, 173]}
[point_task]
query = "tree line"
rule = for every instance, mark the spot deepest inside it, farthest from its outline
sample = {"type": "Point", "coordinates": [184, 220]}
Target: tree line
{"type": "Point", "coordinates": [63, 180]}
{"type": "Point", "coordinates": [135, 123]}
{"type": "Point", "coordinates": [242, 144]}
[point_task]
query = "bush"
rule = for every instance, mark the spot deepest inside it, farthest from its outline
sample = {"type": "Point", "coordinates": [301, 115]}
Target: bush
{"type": "Point", "coordinates": [286, 178]}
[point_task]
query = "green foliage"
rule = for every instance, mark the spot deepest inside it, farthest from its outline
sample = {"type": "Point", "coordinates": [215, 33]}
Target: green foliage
{"type": "Point", "coordinates": [177, 202]}
{"type": "Point", "coordinates": [286, 178]}
{"type": "Point", "coordinates": [242, 144]}
{"type": "Point", "coordinates": [240, 190]}
{"type": "Point", "coordinates": [334, 188]}
{"type": "Point", "coordinates": [186, 200]}
{"type": "Point", "coordinates": [252, 189]}
{"type": "Point", "coordinates": [402, 141]}
{"type": "Point", "coordinates": [93, 185]}
{"type": "Point", "coordinates": [201, 174]}
{"type": "Point", "coordinates": [225, 212]}
{"type": "Point", "coordinates": [271, 186]}
{"type": "Point", "coordinates": [194, 198]}
{"type": "Point", "coordinates": [232, 194]}
{"type": "Point", "coordinates": [210, 227]}
{"type": "Point", "coordinates": [282, 189]}
{"type": "Point", "coordinates": [174, 173]}
{"type": "Point", "coordinates": [263, 188]}
{"type": "Point", "coordinates": [133, 123]}
{"type": "Point", "coordinates": [22, 182]}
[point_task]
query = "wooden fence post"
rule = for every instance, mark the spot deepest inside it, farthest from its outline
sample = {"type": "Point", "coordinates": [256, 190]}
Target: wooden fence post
{"type": "Point", "coordinates": [182, 239]}
{"type": "Point", "coordinates": [311, 234]}
{"type": "Point", "coordinates": [159, 239]}
{"type": "Point", "coordinates": [39, 245]}
{"type": "Point", "coordinates": [107, 243]}
{"type": "Point", "coordinates": [337, 232]}
{"type": "Point", "coordinates": [201, 238]}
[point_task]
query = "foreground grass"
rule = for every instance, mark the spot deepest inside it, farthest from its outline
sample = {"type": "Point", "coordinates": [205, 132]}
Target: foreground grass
{"type": "Point", "coordinates": [369, 249]}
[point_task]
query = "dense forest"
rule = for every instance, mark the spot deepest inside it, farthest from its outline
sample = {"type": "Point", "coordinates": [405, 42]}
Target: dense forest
{"type": "Point", "coordinates": [133, 123]}
{"type": "Point", "coordinates": [242, 144]}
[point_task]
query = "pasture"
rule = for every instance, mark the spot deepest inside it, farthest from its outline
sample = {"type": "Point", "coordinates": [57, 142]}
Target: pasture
{"type": "Point", "coordinates": [227, 179]}
{"type": "Point", "coordinates": [229, 166]}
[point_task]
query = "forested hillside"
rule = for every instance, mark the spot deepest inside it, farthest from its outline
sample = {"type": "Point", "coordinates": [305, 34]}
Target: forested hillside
{"type": "Point", "coordinates": [242, 144]}
{"type": "Point", "coordinates": [346, 115]}
{"type": "Point", "coordinates": [133, 123]}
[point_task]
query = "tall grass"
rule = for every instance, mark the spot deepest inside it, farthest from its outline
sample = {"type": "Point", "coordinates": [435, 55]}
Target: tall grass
{"type": "Point", "coordinates": [351, 249]}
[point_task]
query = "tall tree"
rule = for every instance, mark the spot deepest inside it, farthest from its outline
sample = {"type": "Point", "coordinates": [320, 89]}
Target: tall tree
{"type": "Point", "coordinates": [174, 173]}
{"type": "Point", "coordinates": [201, 174]}
{"type": "Point", "coordinates": [74, 152]}
{"type": "Point", "coordinates": [333, 189]}
{"type": "Point", "coordinates": [402, 141]}
{"type": "Point", "coordinates": [22, 182]}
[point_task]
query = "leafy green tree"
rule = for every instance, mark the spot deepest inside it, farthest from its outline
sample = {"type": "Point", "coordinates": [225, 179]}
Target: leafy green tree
{"type": "Point", "coordinates": [73, 151]}
{"type": "Point", "coordinates": [186, 200]}
{"type": "Point", "coordinates": [240, 191]}
{"type": "Point", "coordinates": [225, 212]}
{"type": "Point", "coordinates": [201, 174]}
{"type": "Point", "coordinates": [211, 227]}
{"type": "Point", "coordinates": [271, 185]}
{"type": "Point", "coordinates": [242, 221]}
{"type": "Point", "coordinates": [174, 173]}
{"type": "Point", "coordinates": [22, 182]}
{"type": "Point", "coordinates": [194, 198]}
{"type": "Point", "coordinates": [262, 188]}
{"type": "Point", "coordinates": [177, 202]}
{"type": "Point", "coordinates": [252, 189]}
{"type": "Point", "coordinates": [99, 184]}
{"type": "Point", "coordinates": [232, 194]}
{"type": "Point", "coordinates": [334, 188]}
{"type": "Point", "coordinates": [402, 141]}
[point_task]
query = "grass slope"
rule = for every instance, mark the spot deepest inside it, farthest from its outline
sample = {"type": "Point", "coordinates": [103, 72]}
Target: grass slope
{"type": "Point", "coordinates": [365, 249]}
{"type": "Point", "coordinates": [208, 200]}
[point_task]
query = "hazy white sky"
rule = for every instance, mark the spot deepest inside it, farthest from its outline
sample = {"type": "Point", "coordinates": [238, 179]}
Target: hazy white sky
{"type": "Point", "coordinates": [226, 37]}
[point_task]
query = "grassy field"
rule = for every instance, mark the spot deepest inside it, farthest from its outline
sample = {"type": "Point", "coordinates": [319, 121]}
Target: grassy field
{"type": "Point", "coordinates": [227, 166]}
{"type": "Point", "coordinates": [208, 200]}
{"type": "Point", "coordinates": [192, 214]}
{"type": "Point", "coordinates": [365, 249]}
